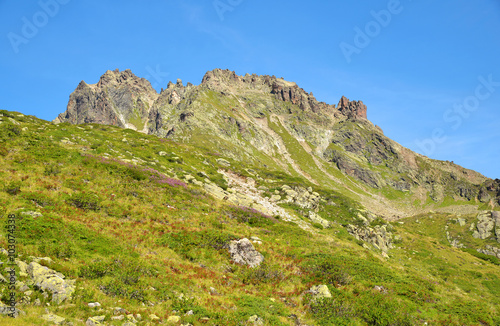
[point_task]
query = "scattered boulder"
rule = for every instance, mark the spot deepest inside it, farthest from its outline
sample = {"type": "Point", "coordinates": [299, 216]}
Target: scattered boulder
{"type": "Point", "coordinates": [256, 320]}
{"type": "Point", "coordinates": [173, 319]}
{"type": "Point", "coordinates": [54, 319]}
{"type": "Point", "coordinates": [118, 311]}
{"type": "Point", "coordinates": [8, 311]}
{"type": "Point", "coordinates": [454, 242]}
{"type": "Point", "coordinates": [320, 292]}
{"type": "Point", "coordinates": [127, 323]}
{"type": "Point", "coordinates": [243, 252]}
{"type": "Point", "coordinates": [94, 321]}
{"type": "Point", "coordinates": [31, 214]}
{"type": "Point", "coordinates": [131, 318]}
{"type": "Point", "coordinates": [94, 304]}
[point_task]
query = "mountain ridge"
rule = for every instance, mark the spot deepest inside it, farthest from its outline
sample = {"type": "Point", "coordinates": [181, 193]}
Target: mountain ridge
{"type": "Point", "coordinates": [274, 123]}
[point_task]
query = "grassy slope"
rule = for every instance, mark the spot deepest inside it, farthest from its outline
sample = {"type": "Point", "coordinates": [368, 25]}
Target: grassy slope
{"type": "Point", "coordinates": [137, 239]}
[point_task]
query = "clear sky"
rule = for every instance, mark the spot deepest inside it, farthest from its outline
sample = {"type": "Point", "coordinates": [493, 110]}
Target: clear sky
{"type": "Point", "coordinates": [428, 71]}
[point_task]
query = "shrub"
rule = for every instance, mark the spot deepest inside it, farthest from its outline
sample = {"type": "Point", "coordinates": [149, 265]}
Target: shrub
{"type": "Point", "coordinates": [492, 259]}
{"type": "Point", "coordinates": [37, 198]}
{"type": "Point", "coordinates": [13, 188]}
{"type": "Point", "coordinates": [249, 215]}
{"type": "Point", "coordinates": [329, 271]}
{"type": "Point", "coordinates": [3, 150]}
{"type": "Point", "coordinates": [184, 242]}
{"type": "Point", "coordinates": [52, 169]}
{"type": "Point", "coordinates": [116, 288]}
{"type": "Point", "coordinates": [135, 173]}
{"type": "Point", "coordinates": [182, 303]}
{"type": "Point", "coordinates": [262, 274]}
{"type": "Point", "coordinates": [56, 249]}
{"type": "Point", "coordinates": [85, 201]}
{"type": "Point", "coordinates": [379, 309]}
{"type": "Point", "coordinates": [330, 311]}
{"type": "Point", "coordinates": [8, 131]}
{"type": "Point", "coordinates": [97, 269]}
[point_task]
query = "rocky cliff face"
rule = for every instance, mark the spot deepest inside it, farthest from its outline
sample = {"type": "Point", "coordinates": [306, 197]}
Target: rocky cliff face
{"type": "Point", "coordinates": [119, 98]}
{"type": "Point", "coordinates": [275, 124]}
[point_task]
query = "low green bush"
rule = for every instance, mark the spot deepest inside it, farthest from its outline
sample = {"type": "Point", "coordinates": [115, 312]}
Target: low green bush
{"type": "Point", "coordinates": [249, 216]}
{"type": "Point", "coordinates": [52, 169]}
{"type": "Point", "coordinates": [184, 242]}
{"type": "Point", "coordinates": [491, 259]}
{"type": "Point", "coordinates": [85, 201]}
{"type": "Point", "coordinates": [261, 274]}
{"type": "Point", "coordinates": [38, 198]}
{"type": "Point", "coordinates": [13, 188]}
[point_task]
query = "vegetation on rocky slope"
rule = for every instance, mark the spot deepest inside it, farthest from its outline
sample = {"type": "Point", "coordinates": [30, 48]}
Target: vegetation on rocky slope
{"type": "Point", "coordinates": [143, 225]}
{"type": "Point", "coordinates": [275, 125]}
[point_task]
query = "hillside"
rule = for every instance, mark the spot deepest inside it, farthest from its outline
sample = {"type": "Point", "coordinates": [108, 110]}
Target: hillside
{"type": "Point", "coordinates": [240, 201]}
{"type": "Point", "coordinates": [274, 124]}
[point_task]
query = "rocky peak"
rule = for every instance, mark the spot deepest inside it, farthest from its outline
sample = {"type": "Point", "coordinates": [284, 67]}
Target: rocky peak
{"type": "Point", "coordinates": [352, 109]}
{"type": "Point", "coordinates": [116, 78]}
{"type": "Point", "coordinates": [118, 98]}
{"type": "Point", "coordinates": [223, 80]}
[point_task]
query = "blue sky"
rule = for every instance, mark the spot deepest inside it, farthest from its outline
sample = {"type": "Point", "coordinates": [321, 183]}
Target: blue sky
{"type": "Point", "coordinates": [428, 71]}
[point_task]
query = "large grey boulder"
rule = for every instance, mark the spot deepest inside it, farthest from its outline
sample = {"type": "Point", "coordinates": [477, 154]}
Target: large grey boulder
{"type": "Point", "coordinates": [488, 223]}
{"type": "Point", "coordinates": [243, 252]}
{"type": "Point", "coordinates": [51, 281]}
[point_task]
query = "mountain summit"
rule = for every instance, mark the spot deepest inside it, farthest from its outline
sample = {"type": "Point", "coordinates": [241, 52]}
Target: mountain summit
{"type": "Point", "coordinates": [275, 124]}
{"type": "Point", "coordinates": [125, 100]}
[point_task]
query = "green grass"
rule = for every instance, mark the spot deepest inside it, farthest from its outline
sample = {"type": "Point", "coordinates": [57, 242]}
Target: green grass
{"type": "Point", "coordinates": [138, 237]}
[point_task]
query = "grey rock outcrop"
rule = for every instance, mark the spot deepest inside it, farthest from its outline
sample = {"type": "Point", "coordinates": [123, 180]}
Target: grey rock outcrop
{"type": "Point", "coordinates": [315, 218]}
{"type": "Point", "coordinates": [300, 196]}
{"type": "Point", "coordinates": [488, 225]}
{"type": "Point", "coordinates": [119, 98]}
{"type": "Point", "coordinates": [243, 252]}
{"type": "Point", "coordinates": [378, 236]}
{"type": "Point", "coordinates": [52, 282]}
{"type": "Point", "coordinates": [490, 250]}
